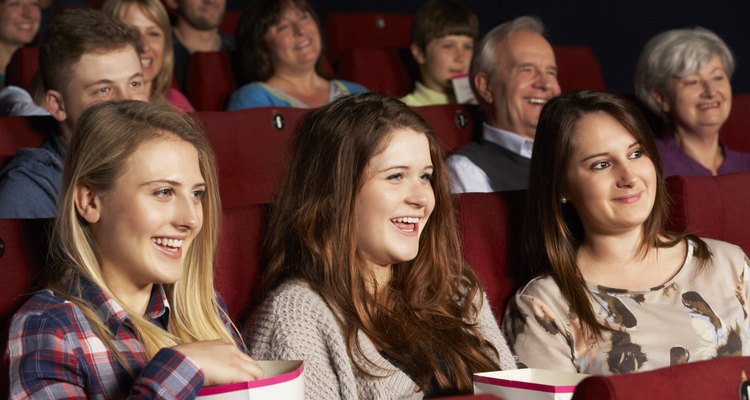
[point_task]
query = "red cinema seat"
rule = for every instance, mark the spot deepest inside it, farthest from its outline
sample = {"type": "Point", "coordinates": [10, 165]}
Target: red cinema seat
{"type": "Point", "coordinates": [578, 68]}
{"type": "Point", "coordinates": [18, 132]}
{"type": "Point", "coordinates": [230, 21]}
{"type": "Point", "coordinates": [252, 149]}
{"type": "Point", "coordinates": [380, 70]}
{"type": "Point", "coordinates": [23, 249]}
{"type": "Point", "coordinates": [736, 130]}
{"type": "Point", "coordinates": [719, 378]}
{"type": "Point", "coordinates": [365, 30]}
{"type": "Point", "coordinates": [712, 206]}
{"type": "Point", "coordinates": [237, 268]}
{"type": "Point", "coordinates": [454, 124]}
{"type": "Point", "coordinates": [209, 80]}
{"type": "Point", "coordinates": [22, 66]}
{"type": "Point", "coordinates": [490, 226]}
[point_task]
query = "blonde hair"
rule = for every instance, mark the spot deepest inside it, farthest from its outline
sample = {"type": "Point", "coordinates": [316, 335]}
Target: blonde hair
{"type": "Point", "coordinates": [107, 135]}
{"type": "Point", "coordinates": [155, 11]}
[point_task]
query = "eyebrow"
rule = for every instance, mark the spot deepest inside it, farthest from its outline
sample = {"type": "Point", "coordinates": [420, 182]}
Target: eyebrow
{"type": "Point", "coordinates": [430, 166]}
{"type": "Point", "coordinates": [636, 143]}
{"type": "Point", "coordinates": [105, 81]}
{"type": "Point", "coordinates": [170, 182]}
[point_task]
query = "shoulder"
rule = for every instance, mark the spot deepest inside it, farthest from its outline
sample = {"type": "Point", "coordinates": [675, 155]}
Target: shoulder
{"type": "Point", "coordinates": [46, 314]}
{"type": "Point", "coordinates": [721, 251]}
{"type": "Point", "coordinates": [541, 289]}
{"type": "Point", "coordinates": [295, 299]}
{"type": "Point", "coordinates": [30, 182]}
{"type": "Point", "coordinates": [410, 99]}
{"type": "Point", "coordinates": [736, 156]}
{"type": "Point", "coordinates": [251, 95]}
{"type": "Point", "coordinates": [460, 161]}
{"type": "Point", "coordinates": [178, 100]}
{"type": "Point", "coordinates": [466, 176]}
{"type": "Point", "coordinates": [293, 321]}
{"type": "Point", "coordinates": [353, 88]}
{"type": "Point", "coordinates": [292, 307]}
{"type": "Point", "coordinates": [17, 101]}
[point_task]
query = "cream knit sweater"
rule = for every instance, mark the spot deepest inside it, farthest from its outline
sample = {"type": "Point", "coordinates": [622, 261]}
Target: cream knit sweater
{"type": "Point", "coordinates": [294, 323]}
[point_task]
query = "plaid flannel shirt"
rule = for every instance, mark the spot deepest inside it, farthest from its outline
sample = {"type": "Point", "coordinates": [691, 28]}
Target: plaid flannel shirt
{"type": "Point", "coordinates": [54, 352]}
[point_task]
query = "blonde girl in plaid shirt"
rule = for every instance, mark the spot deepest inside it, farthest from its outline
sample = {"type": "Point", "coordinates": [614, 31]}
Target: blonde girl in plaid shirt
{"type": "Point", "coordinates": [86, 335]}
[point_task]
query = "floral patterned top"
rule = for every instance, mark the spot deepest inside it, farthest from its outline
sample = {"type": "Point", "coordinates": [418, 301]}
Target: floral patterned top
{"type": "Point", "coordinates": [699, 314]}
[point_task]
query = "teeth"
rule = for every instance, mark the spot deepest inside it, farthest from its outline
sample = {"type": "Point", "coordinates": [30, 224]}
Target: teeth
{"type": "Point", "coordinates": [176, 243]}
{"type": "Point", "coordinates": [406, 220]}
{"type": "Point", "coordinates": [710, 105]}
{"type": "Point", "coordinates": [146, 62]}
{"type": "Point", "coordinates": [537, 101]}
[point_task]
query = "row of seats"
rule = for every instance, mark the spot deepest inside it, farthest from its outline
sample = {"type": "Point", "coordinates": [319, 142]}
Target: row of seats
{"type": "Point", "coordinates": [370, 48]}
{"type": "Point", "coordinates": [489, 225]}
{"type": "Point", "coordinates": [252, 145]}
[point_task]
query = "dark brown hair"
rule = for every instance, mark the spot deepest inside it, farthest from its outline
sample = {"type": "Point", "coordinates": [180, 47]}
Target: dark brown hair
{"type": "Point", "coordinates": [253, 59]}
{"type": "Point", "coordinates": [552, 230]}
{"type": "Point", "coordinates": [70, 35]}
{"type": "Point", "coordinates": [422, 319]}
{"type": "Point", "coordinates": [439, 18]}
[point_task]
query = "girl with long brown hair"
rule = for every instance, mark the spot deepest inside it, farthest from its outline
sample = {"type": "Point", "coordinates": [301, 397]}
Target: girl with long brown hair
{"type": "Point", "coordinates": [616, 291]}
{"type": "Point", "coordinates": [368, 282]}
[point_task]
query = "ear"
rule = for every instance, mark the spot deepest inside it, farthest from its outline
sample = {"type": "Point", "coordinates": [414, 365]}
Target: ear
{"type": "Point", "coordinates": [55, 105]}
{"type": "Point", "coordinates": [482, 84]}
{"type": "Point", "coordinates": [661, 100]}
{"type": "Point", "coordinates": [417, 53]}
{"type": "Point", "coordinates": [88, 203]}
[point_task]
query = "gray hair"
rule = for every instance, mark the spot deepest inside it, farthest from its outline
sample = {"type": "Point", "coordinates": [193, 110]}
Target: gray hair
{"type": "Point", "coordinates": [485, 59]}
{"type": "Point", "coordinates": [674, 54]}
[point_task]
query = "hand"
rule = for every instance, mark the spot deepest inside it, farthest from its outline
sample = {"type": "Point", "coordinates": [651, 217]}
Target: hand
{"type": "Point", "coordinates": [221, 362]}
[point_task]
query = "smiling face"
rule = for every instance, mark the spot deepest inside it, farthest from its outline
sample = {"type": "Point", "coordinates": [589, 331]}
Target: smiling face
{"type": "Point", "coordinates": [524, 79]}
{"type": "Point", "coordinates": [19, 21]}
{"type": "Point", "coordinates": [152, 39]}
{"type": "Point", "coordinates": [701, 101]}
{"type": "Point", "coordinates": [395, 201]}
{"type": "Point", "coordinates": [295, 41]}
{"type": "Point", "coordinates": [148, 220]}
{"type": "Point", "coordinates": [442, 59]}
{"type": "Point", "coordinates": [610, 181]}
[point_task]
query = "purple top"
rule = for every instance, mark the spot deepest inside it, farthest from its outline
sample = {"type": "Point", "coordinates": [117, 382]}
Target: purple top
{"type": "Point", "coordinates": [677, 162]}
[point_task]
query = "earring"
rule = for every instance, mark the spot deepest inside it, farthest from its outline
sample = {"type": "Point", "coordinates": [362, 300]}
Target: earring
{"type": "Point", "coordinates": [563, 199]}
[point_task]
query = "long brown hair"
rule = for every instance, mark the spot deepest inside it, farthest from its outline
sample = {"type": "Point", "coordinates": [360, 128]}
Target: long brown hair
{"type": "Point", "coordinates": [552, 230]}
{"type": "Point", "coordinates": [420, 318]}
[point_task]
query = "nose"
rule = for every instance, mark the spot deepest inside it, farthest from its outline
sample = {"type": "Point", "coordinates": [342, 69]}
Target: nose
{"type": "Point", "coordinates": [188, 213]}
{"type": "Point", "coordinates": [419, 194]}
{"type": "Point", "coordinates": [297, 27]}
{"type": "Point", "coordinates": [145, 42]}
{"type": "Point", "coordinates": [627, 177]}
{"type": "Point", "coordinates": [462, 53]}
{"type": "Point", "coordinates": [708, 89]}
{"type": "Point", "coordinates": [544, 80]}
{"type": "Point", "coordinates": [31, 11]}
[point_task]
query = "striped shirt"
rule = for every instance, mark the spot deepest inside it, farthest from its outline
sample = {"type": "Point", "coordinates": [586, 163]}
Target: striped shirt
{"type": "Point", "coordinates": [54, 352]}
